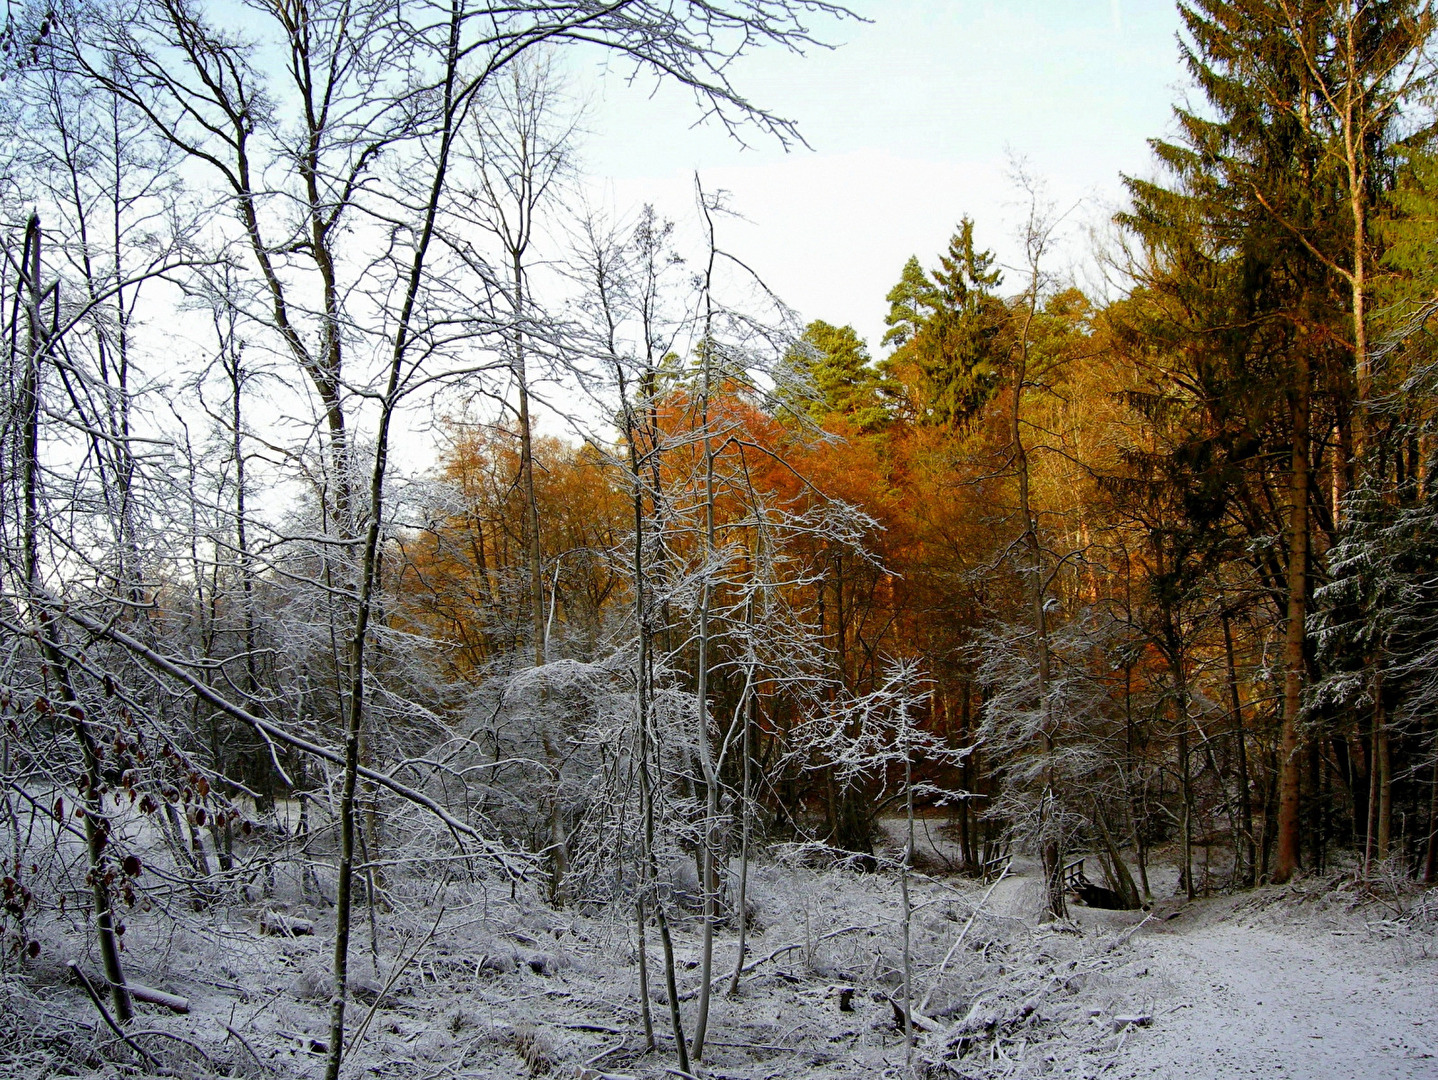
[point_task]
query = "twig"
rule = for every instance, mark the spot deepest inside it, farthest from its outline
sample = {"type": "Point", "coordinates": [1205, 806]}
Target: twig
{"type": "Point", "coordinates": [105, 1013]}
{"type": "Point", "coordinates": [689, 995]}
{"type": "Point", "coordinates": [741, 1045]}
{"type": "Point", "coordinates": [923, 1005]}
{"type": "Point", "coordinates": [1124, 937]}
{"type": "Point", "coordinates": [595, 1058]}
{"type": "Point", "coordinates": [179, 1039]}
{"type": "Point", "coordinates": [246, 1044]}
{"type": "Point", "coordinates": [394, 975]}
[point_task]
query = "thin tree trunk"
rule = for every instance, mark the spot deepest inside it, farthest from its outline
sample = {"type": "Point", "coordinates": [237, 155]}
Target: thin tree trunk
{"type": "Point", "coordinates": [966, 831]}
{"type": "Point", "coordinates": [641, 685]}
{"type": "Point", "coordinates": [706, 756]}
{"type": "Point", "coordinates": [1186, 815]}
{"type": "Point", "coordinates": [1430, 861]}
{"type": "Point", "coordinates": [711, 779]}
{"type": "Point", "coordinates": [649, 867]}
{"type": "Point", "coordinates": [1245, 803]}
{"type": "Point", "coordinates": [1370, 831]}
{"type": "Point", "coordinates": [369, 573]}
{"type": "Point", "coordinates": [744, 846]}
{"type": "Point", "coordinates": [96, 823]}
{"type": "Point", "coordinates": [534, 560]}
{"type": "Point", "coordinates": [908, 907]}
{"type": "Point", "coordinates": [1385, 790]}
{"type": "Point", "coordinates": [1052, 848]}
{"type": "Point", "coordinates": [644, 1011]}
{"type": "Point", "coordinates": [670, 982]}
{"type": "Point", "coordinates": [672, 989]}
{"type": "Point", "coordinates": [197, 845]}
{"type": "Point", "coordinates": [533, 552]}
{"type": "Point", "coordinates": [1289, 761]}
{"type": "Point", "coordinates": [1122, 877]}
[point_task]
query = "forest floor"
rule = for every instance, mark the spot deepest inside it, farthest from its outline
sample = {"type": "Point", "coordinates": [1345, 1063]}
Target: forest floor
{"type": "Point", "coordinates": [463, 980]}
{"type": "Point", "coordinates": [1287, 983]}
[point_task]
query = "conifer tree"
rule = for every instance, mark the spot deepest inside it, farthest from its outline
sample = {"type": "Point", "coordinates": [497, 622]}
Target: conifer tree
{"type": "Point", "coordinates": [946, 328]}
{"type": "Point", "coordinates": [838, 362]}
{"type": "Point", "coordinates": [1243, 244]}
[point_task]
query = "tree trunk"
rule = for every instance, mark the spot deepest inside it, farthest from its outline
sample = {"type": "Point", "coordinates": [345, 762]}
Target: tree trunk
{"type": "Point", "coordinates": [1245, 802]}
{"type": "Point", "coordinates": [1186, 813]}
{"type": "Point", "coordinates": [707, 547]}
{"type": "Point", "coordinates": [747, 796]}
{"type": "Point", "coordinates": [711, 779]}
{"type": "Point", "coordinates": [1385, 791]}
{"type": "Point", "coordinates": [908, 913]}
{"type": "Point", "coordinates": [1430, 860]}
{"type": "Point", "coordinates": [1289, 760]}
{"type": "Point", "coordinates": [96, 823]}
{"type": "Point", "coordinates": [645, 1012]}
{"type": "Point", "coordinates": [1052, 846]}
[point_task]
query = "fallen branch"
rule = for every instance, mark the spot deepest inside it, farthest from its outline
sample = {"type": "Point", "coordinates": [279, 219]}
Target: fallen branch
{"type": "Point", "coordinates": [398, 970]}
{"type": "Point", "coordinates": [1124, 937]}
{"type": "Point", "coordinates": [312, 1044]}
{"type": "Point", "coordinates": [110, 1020]}
{"type": "Point", "coordinates": [933, 985]}
{"type": "Point", "coordinates": [246, 1044]}
{"type": "Point", "coordinates": [196, 1047]}
{"type": "Point", "coordinates": [747, 1045]}
{"type": "Point", "coordinates": [920, 1021]}
{"type": "Point", "coordinates": [689, 995]}
{"type": "Point", "coordinates": [173, 1002]}
{"type": "Point", "coordinates": [1137, 1020]}
{"type": "Point", "coordinates": [280, 925]}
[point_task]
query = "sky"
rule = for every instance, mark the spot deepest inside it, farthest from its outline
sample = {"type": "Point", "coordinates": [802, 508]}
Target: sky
{"type": "Point", "coordinates": [912, 121]}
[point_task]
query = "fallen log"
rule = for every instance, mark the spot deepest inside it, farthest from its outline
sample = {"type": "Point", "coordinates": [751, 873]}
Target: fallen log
{"type": "Point", "coordinates": [272, 922]}
{"type": "Point", "coordinates": [173, 1002]}
{"type": "Point", "coordinates": [1139, 1020]}
{"type": "Point", "coordinates": [110, 1020]}
{"type": "Point", "coordinates": [140, 992]}
{"type": "Point", "coordinates": [920, 1021]}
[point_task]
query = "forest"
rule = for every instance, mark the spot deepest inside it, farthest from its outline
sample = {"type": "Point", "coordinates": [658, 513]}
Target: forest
{"type": "Point", "coordinates": [443, 620]}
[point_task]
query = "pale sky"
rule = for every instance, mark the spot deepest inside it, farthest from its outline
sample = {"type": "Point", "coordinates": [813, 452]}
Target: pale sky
{"type": "Point", "coordinates": [911, 122]}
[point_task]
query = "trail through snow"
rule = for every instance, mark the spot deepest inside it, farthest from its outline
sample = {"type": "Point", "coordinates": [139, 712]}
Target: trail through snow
{"type": "Point", "coordinates": [1288, 1000]}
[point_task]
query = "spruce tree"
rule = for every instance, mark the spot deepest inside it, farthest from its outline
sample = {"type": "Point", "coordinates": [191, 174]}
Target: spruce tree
{"type": "Point", "coordinates": [1236, 246]}
{"type": "Point", "coordinates": [946, 328]}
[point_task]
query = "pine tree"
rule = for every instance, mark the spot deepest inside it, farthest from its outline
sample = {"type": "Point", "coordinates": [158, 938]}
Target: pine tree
{"type": "Point", "coordinates": [838, 362]}
{"type": "Point", "coordinates": [1243, 245]}
{"type": "Point", "coordinates": [910, 303]}
{"type": "Point", "coordinates": [946, 328]}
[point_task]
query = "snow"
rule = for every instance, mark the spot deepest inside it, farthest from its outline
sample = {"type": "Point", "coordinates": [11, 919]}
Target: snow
{"type": "Point", "coordinates": [469, 980]}
{"type": "Point", "coordinates": [1290, 995]}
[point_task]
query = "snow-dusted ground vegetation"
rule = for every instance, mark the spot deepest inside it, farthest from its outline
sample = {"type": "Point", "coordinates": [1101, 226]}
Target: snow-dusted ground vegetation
{"type": "Point", "coordinates": [463, 976]}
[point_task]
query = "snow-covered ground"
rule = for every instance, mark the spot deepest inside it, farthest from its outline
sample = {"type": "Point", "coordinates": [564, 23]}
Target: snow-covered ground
{"type": "Point", "coordinates": [463, 979]}
{"type": "Point", "coordinates": [1244, 989]}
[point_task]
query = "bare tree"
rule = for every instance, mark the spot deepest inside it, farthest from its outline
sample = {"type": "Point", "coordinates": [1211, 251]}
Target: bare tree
{"type": "Point", "coordinates": [522, 152]}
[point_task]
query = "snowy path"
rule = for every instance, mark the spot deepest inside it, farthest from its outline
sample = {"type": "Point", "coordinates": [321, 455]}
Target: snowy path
{"type": "Point", "coordinates": [1287, 1002]}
